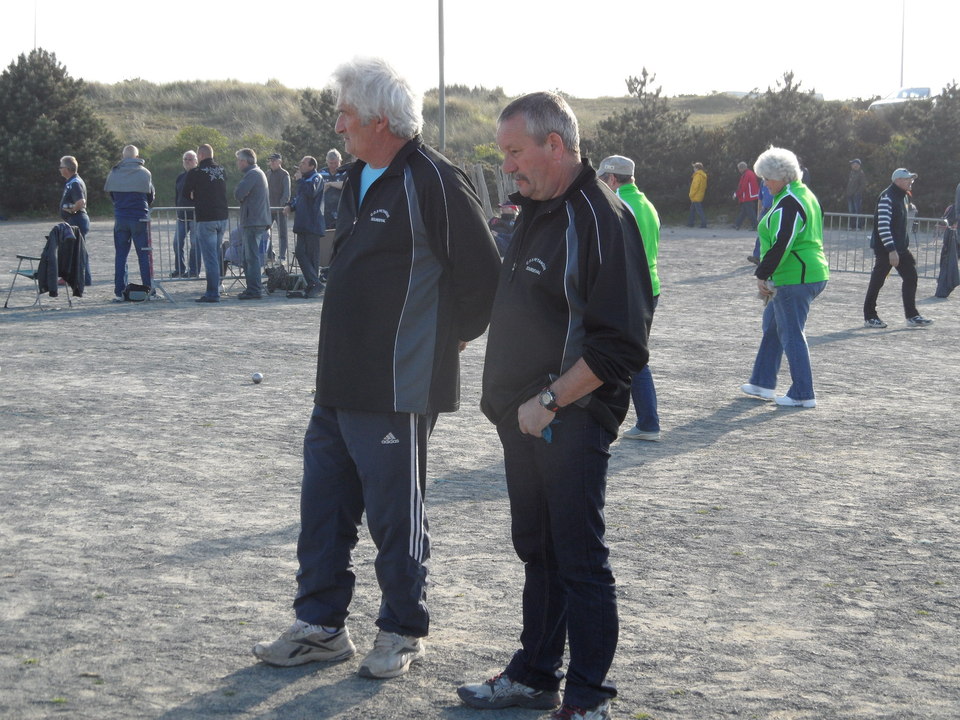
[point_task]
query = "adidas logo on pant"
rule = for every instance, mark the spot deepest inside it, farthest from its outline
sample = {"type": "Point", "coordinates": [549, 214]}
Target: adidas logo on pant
{"type": "Point", "coordinates": [390, 439]}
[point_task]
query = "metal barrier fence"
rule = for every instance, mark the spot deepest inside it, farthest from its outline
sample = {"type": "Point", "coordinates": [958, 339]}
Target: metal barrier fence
{"type": "Point", "coordinates": [163, 235]}
{"type": "Point", "coordinates": [847, 246]}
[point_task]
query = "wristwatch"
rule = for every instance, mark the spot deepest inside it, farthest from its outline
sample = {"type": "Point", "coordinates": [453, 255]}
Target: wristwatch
{"type": "Point", "coordinates": [548, 399]}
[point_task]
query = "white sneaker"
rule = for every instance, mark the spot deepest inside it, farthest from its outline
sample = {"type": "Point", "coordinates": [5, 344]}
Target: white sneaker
{"type": "Point", "coordinates": [636, 433]}
{"type": "Point", "coordinates": [303, 643]}
{"type": "Point", "coordinates": [919, 321]}
{"type": "Point", "coordinates": [787, 401]}
{"type": "Point", "coordinates": [391, 655]}
{"type": "Point", "coordinates": [500, 692]}
{"type": "Point", "coordinates": [757, 391]}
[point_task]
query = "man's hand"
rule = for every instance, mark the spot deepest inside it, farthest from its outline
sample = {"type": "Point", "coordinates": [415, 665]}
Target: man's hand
{"type": "Point", "coordinates": [894, 258]}
{"type": "Point", "coordinates": [533, 417]}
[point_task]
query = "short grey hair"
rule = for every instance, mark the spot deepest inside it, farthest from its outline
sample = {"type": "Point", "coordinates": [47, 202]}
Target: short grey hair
{"type": "Point", "coordinates": [131, 151]}
{"type": "Point", "coordinates": [69, 162]}
{"type": "Point", "coordinates": [375, 89]}
{"type": "Point", "coordinates": [189, 154]}
{"type": "Point", "coordinates": [778, 164]}
{"type": "Point", "coordinates": [247, 154]}
{"type": "Point", "coordinates": [546, 113]}
{"type": "Point", "coordinates": [334, 154]}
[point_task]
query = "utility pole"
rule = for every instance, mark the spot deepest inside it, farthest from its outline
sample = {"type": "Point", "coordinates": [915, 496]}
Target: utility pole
{"type": "Point", "coordinates": [903, 24]}
{"type": "Point", "coordinates": [443, 92]}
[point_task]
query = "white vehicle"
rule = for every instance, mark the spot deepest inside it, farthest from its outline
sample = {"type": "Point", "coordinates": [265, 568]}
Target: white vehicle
{"type": "Point", "coordinates": [906, 94]}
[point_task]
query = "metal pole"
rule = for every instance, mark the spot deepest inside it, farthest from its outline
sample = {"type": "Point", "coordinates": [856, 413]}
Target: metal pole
{"type": "Point", "coordinates": [443, 93]}
{"type": "Point", "coordinates": [903, 23]}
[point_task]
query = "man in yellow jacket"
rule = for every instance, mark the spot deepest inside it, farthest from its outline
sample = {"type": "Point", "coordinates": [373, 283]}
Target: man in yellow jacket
{"type": "Point", "coordinates": [698, 188]}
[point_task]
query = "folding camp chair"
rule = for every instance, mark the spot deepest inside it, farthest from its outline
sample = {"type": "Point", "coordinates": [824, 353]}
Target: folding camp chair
{"type": "Point", "coordinates": [30, 273]}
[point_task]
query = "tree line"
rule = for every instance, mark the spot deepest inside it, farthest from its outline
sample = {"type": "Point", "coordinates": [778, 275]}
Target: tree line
{"type": "Point", "coordinates": [45, 113]}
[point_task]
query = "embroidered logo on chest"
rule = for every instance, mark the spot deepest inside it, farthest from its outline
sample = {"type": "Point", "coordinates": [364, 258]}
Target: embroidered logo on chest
{"type": "Point", "coordinates": [379, 216]}
{"type": "Point", "coordinates": [536, 266]}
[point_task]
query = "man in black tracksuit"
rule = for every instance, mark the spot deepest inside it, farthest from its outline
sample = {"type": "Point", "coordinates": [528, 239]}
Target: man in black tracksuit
{"type": "Point", "coordinates": [412, 277]}
{"type": "Point", "coordinates": [890, 243]}
{"type": "Point", "coordinates": [567, 334]}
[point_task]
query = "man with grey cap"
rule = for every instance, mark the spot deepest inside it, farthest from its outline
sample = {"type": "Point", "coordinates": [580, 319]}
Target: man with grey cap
{"type": "Point", "coordinates": [890, 242]}
{"type": "Point", "coordinates": [617, 172]}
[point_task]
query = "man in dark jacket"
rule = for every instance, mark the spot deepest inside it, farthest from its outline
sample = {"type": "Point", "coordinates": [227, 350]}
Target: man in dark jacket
{"type": "Point", "coordinates": [131, 188]}
{"type": "Point", "coordinates": [185, 224]}
{"type": "Point", "coordinates": [278, 180]}
{"type": "Point", "coordinates": [890, 242]}
{"type": "Point", "coordinates": [206, 186]}
{"type": "Point", "coordinates": [308, 223]}
{"type": "Point", "coordinates": [412, 279]}
{"type": "Point", "coordinates": [567, 333]}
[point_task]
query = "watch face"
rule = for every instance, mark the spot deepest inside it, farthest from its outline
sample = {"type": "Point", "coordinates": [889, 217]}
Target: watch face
{"type": "Point", "coordinates": [546, 397]}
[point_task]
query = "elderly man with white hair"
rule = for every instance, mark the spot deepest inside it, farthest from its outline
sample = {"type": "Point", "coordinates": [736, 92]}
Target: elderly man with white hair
{"type": "Point", "coordinates": [792, 272]}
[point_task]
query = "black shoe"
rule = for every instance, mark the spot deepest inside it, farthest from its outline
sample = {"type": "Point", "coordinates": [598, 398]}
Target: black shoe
{"type": "Point", "coordinates": [177, 274]}
{"type": "Point", "coordinates": [249, 296]}
{"type": "Point", "coordinates": [315, 291]}
{"type": "Point", "coordinates": [205, 299]}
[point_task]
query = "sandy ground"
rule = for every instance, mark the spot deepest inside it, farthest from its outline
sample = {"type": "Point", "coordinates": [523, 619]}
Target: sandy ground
{"type": "Point", "coordinates": [771, 563]}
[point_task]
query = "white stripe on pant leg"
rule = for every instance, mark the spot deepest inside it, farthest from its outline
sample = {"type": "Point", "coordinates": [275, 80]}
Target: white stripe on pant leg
{"type": "Point", "coordinates": [416, 500]}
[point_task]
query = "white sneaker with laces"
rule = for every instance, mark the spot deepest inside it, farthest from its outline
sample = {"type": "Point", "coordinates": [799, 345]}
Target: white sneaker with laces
{"type": "Point", "coordinates": [391, 655]}
{"type": "Point", "coordinates": [919, 321]}
{"type": "Point", "coordinates": [500, 692]}
{"type": "Point", "coordinates": [572, 712]}
{"type": "Point", "coordinates": [303, 643]}
{"type": "Point", "coordinates": [757, 391]}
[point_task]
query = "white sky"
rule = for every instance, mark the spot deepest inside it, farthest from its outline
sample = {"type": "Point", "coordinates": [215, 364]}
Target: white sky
{"type": "Point", "coordinates": [840, 48]}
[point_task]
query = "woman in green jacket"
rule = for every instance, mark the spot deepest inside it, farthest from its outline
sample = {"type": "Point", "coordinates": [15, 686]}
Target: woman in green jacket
{"type": "Point", "coordinates": [792, 272]}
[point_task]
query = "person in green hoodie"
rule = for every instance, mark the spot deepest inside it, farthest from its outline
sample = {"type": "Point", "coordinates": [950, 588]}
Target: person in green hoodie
{"type": "Point", "coordinates": [792, 272]}
{"type": "Point", "coordinates": [617, 172]}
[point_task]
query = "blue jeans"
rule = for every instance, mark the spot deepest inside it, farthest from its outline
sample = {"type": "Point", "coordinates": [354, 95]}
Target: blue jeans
{"type": "Point", "coordinates": [696, 211]}
{"type": "Point", "coordinates": [353, 462]}
{"type": "Point", "coordinates": [644, 393]}
{"type": "Point", "coordinates": [783, 321]}
{"type": "Point", "coordinates": [184, 228]}
{"type": "Point", "coordinates": [252, 236]}
{"type": "Point", "coordinates": [854, 203]}
{"type": "Point", "coordinates": [557, 492]}
{"type": "Point", "coordinates": [209, 234]}
{"type": "Point", "coordinates": [126, 230]}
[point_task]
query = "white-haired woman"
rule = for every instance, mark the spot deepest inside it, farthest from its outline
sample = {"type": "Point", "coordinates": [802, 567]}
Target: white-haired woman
{"type": "Point", "coordinates": [792, 272]}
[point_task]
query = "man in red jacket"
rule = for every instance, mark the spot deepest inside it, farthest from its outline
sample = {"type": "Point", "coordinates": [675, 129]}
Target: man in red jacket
{"type": "Point", "coordinates": [747, 193]}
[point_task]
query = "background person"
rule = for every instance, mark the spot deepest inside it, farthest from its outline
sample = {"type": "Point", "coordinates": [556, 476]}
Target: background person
{"type": "Point", "coordinates": [748, 190]}
{"type": "Point", "coordinates": [73, 202]}
{"type": "Point", "coordinates": [278, 180]}
{"type": "Point", "coordinates": [856, 186]}
{"type": "Point", "coordinates": [333, 175]}
{"type": "Point", "coordinates": [131, 188]}
{"type": "Point", "coordinates": [206, 186]}
{"type": "Point", "coordinates": [254, 197]}
{"type": "Point", "coordinates": [890, 243]}
{"type": "Point", "coordinates": [185, 223]}
{"type": "Point", "coordinates": [308, 223]}
{"type": "Point", "coordinates": [792, 272]}
{"type": "Point", "coordinates": [617, 172]}
{"type": "Point", "coordinates": [698, 189]}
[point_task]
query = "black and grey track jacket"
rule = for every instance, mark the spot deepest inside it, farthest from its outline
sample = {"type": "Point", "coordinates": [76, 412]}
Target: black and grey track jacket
{"type": "Point", "coordinates": [575, 283]}
{"type": "Point", "coordinates": [413, 273]}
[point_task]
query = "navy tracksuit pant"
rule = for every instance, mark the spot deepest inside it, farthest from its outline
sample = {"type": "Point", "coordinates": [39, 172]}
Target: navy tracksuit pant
{"type": "Point", "coordinates": [557, 493]}
{"type": "Point", "coordinates": [354, 462]}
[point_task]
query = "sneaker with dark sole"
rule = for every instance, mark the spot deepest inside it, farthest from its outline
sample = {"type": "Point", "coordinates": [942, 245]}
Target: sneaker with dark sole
{"type": "Point", "coordinates": [919, 321]}
{"type": "Point", "coordinates": [500, 692]}
{"type": "Point", "coordinates": [391, 656]}
{"type": "Point", "coordinates": [757, 391]}
{"type": "Point", "coordinates": [874, 323]}
{"type": "Point", "coordinates": [636, 433]}
{"type": "Point", "coordinates": [303, 643]}
{"type": "Point", "coordinates": [572, 712]}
